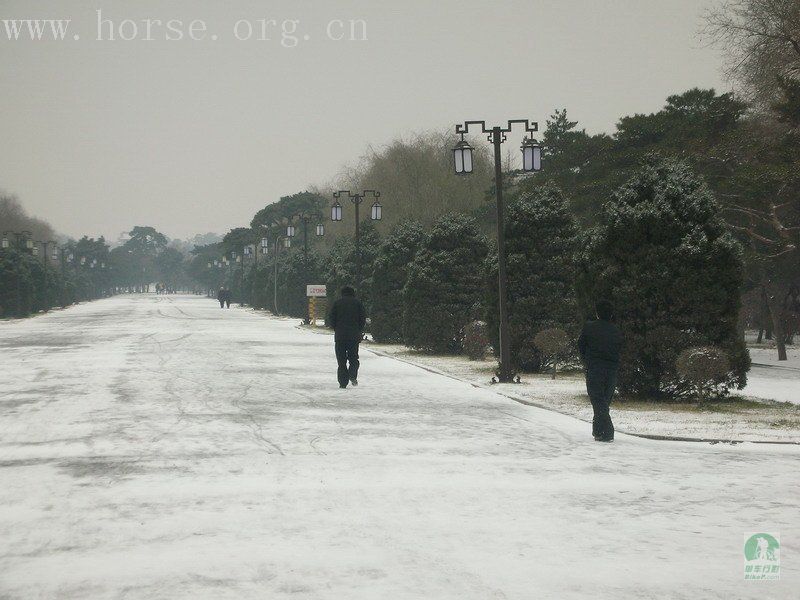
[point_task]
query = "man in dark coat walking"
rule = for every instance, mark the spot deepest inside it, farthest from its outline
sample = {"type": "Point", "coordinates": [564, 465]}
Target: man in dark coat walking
{"type": "Point", "coordinates": [347, 318]}
{"type": "Point", "coordinates": [599, 346]}
{"type": "Point", "coordinates": [221, 297]}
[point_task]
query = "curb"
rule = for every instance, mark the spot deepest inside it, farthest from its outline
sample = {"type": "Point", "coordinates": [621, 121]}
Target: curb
{"type": "Point", "coordinates": [525, 401]}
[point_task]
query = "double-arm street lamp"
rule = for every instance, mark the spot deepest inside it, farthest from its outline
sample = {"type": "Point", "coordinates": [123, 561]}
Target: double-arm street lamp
{"type": "Point", "coordinates": [23, 240]}
{"type": "Point", "coordinates": [287, 242]}
{"type": "Point", "coordinates": [45, 245]}
{"type": "Point", "coordinates": [305, 218]}
{"type": "Point", "coordinates": [376, 213]}
{"type": "Point", "coordinates": [531, 161]}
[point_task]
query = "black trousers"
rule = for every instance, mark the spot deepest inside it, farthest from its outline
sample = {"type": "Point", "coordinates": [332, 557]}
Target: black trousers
{"type": "Point", "coordinates": [600, 384]}
{"type": "Point", "coordinates": [222, 303]}
{"type": "Point", "coordinates": [347, 352]}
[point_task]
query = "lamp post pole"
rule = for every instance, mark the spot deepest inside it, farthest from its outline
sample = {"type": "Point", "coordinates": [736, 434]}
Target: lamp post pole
{"type": "Point", "coordinates": [336, 215]}
{"type": "Point", "coordinates": [45, 246]}
{"type": "Point", "coordinates": [305, 217]}
{"type": "Point", "coordinates": [23, 239]}
{"type": "Point", "coordinates": [531, 153]}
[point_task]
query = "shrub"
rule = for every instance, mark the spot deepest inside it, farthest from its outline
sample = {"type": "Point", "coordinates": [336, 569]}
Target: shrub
{"type": "Point", "coordinates": [476, 340]}
{"type": "Point", "coordinates": [444, 286]}
{"type": "Point", "coordinates": [664, 257]}
{"type": "Point", "coordinates": [554, 345]}
{"type": "Point", "coordinates": [389, 278]}
{"type": "Point", "coordinates": [540, 246]}
{"type": "Point", "coordinates": [704, 370]}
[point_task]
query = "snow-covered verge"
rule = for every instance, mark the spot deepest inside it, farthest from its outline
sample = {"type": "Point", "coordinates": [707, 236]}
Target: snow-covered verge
{"type": "Point", "coordinates": [746, 416]}
{"type": "Point", "coordinates": [771, 379]}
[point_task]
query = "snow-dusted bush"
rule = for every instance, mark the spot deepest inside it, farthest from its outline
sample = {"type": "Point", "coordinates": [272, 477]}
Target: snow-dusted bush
{"type": "Point", "coordinates": [476, 340]}
{"type": "Point", "coordinates": [554, 345]}
{"type": "Point", "coordinates": [704, 370]}
{"type": "Point", "coordinates": [665, 258]}
{"type": "Point", "coordinates": [540, 246]}
{"type": "Point", "coordinates": [445, 286]}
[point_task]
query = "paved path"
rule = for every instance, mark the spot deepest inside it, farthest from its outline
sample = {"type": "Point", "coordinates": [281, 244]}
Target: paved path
{"type": "Point", "coordinates": [159, 447]}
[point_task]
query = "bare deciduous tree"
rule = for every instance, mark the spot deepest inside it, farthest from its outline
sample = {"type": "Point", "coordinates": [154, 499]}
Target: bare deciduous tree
{"type": "Point", "coordinates": [762, 38]}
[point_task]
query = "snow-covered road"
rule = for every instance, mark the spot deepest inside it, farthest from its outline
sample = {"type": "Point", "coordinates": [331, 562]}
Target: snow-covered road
{"type": "Point", "coordinates": [158, 447]}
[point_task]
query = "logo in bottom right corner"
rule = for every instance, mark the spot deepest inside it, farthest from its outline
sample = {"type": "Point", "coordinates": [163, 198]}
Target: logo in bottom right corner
{"type": "Point", "coordinates": [762, 556]}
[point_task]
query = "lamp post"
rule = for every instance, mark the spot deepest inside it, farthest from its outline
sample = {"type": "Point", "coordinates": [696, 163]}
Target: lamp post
{"type": "Point", "coordinates": [376, 214]}
{"type": "Point", "coordinates": [45, 255]}
{"type": "Point", "coordinates": [531, 161]}
{"type": "Point", "coordinates": [22, 239]}
{"type": "Point", "coordinates": [66, 256]}
{"type": "Point", "coordinates": [306, 218]}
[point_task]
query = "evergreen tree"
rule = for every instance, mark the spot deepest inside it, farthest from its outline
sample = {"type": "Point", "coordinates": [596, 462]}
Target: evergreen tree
{"type": "Point", "coordinates": [390, 275]}
{"type": "Point", "coordinates": [341, 264]}
{"type": "Point", "coordinates": [664, 257]}
{"type": "Point", "coordinates": [444, 286]}
{"type": "Point", "coordinates": [540, 248]}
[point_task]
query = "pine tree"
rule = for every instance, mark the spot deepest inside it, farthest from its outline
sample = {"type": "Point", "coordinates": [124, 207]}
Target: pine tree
{"type": "Point", "coordinates": [664, 257]}
{"type": "Point", "coordinates": [445, 284]}
{"type": "Point", "coordinates": [540, 247]}
{"type": "Point", "coordinates": [341, 264]}
{"type": "Point", "coordinates": [390, 274]}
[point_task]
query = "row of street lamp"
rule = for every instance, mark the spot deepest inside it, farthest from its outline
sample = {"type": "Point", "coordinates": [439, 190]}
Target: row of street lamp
{"type": "Point", "coordinates": [24, 239]}
{"type": "Point", "coordinates": [463, 163]}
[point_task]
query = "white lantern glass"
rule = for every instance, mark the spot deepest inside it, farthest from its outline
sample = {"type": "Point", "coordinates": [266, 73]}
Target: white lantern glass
{"type": "Point", "coordinates": [5, 243]}
{"type": "Point", "coordinates": [290, 231]}
{"type": "Point", "coordinates": [531, 156]}
{"type": "Point", "coordinates": [336, 212]}
{"type": "Point", "coordinates": [264, 243]}
{"type": "Point", "coordinates": [320, 229]}
{"type": "Point", "coordinates": [462, 155]}
{"type": "Point", "coordinates": [287, 242]}
{"type": "Point", "coordinates": [29, 244]}
{"type": "Point", "coordinates": [377, 211]}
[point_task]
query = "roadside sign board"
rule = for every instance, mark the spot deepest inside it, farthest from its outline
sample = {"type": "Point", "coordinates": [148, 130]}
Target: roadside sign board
{"type": "Point", "coordinates": [316, 291]}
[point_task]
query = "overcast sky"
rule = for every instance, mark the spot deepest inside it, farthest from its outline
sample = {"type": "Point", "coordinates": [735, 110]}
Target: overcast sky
{"type": "Point", "coordinates": [196, 136]}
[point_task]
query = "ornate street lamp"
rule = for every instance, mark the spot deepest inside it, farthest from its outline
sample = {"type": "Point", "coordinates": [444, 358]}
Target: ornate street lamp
{"type": "Point", "coordinates": [357, 199]}
{"type": "Point", "coordinates": [531, 161]}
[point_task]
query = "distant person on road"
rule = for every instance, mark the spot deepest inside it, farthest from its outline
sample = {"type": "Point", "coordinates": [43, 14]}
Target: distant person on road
{"type": "Point", "coordinates": [599, 346]}
{"type": "Point", "coordinates": [347, 318]}
{"type": "Point", "coordinates": [221, 297]}
{"type": "Point", "coordinates": [228, 295]}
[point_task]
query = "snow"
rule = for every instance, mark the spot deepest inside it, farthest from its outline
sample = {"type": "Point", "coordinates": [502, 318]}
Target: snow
{"type": "Point", "coordinates": [765, 421]}
{"type": "Point", "coordinates": [159, 447]}
{"type": "Point", "coordinates": [772, 379]}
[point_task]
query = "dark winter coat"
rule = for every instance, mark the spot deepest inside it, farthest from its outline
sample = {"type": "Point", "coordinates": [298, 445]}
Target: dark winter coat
{"type": "Point", "coordinates": [600, 344]}
{"type": "Point", "coordinates": [347, 318]}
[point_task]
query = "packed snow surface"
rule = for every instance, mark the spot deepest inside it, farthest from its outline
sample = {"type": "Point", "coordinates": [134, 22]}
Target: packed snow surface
{"type": "Point", "coordinates": [158, 447]}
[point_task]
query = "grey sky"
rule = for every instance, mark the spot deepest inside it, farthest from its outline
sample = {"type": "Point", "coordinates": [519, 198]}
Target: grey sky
{"type": "Point", "coordinates": [196, 136]}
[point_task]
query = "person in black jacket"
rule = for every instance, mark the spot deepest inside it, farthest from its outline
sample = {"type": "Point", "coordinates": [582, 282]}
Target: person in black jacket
{"type": "Point", "coordinates": [347, 318]}
{"type": "Point", "coordinates": [599, 346]}
{"type": "Point", "coordinates": [221, 297]}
